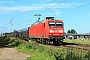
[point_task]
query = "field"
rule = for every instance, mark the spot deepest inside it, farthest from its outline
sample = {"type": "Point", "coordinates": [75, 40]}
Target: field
{"type": "Point", "coordinates": [78, 41]}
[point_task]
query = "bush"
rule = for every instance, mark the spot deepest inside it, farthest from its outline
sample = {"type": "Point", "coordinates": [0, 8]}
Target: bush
{"type": "Point", "coordinates": [9, 41]}
{"type": "Point", "coordinates": [14, 42]}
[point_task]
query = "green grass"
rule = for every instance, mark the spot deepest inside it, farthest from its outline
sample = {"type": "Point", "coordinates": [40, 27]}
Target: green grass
{"type": "Point", "coordinates": [41, 52]}
{"type": "Point", "coordinates": [77, 41]}
{"type": "Point", "coordinates": [37, 52]}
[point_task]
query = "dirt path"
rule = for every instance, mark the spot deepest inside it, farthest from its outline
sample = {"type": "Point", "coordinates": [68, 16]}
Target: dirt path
{"type": "Point", "coordinates": [12, 54]}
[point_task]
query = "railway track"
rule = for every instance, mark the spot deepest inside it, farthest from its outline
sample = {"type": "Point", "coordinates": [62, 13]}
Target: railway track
{"type": "Point", "coordinates": [78, 47]}
{"type": "Point", "coordinates": [71, 46]}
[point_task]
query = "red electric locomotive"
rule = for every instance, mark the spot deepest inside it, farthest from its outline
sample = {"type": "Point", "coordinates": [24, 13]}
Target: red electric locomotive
{"type": "Point", "coordinates": [48, 30]}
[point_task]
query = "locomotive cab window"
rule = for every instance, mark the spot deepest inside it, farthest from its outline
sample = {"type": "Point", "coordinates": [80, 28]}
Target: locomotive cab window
{"type": "Point", "coordinates": [55, 24]}
{"type": "Point", "coordinates": [59, 24]}
{"type": "Point", "coordinates": [51, 24]}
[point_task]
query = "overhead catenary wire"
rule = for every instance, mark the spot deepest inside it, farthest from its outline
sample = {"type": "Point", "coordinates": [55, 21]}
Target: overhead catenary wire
{"type": "Point", "coordinates": [75, 8]}
{"type": "Point", "coordinates": [49, 8]}
{"type": "Point", "coordinates": [52, 6]}
{"type": "Point", "coordinates": [64, 11]}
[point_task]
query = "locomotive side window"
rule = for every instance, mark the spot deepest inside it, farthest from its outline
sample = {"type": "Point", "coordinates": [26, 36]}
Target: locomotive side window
{"type": "Point", "coordinates": [51, 24]}
{"type": "Point", "coordinates": [59, 24]}
{"type": "Point", "coordinates": [44, 24]}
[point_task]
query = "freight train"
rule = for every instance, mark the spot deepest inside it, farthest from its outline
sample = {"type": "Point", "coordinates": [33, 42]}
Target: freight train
{"type": "Point", "coordinates": [44, 31]}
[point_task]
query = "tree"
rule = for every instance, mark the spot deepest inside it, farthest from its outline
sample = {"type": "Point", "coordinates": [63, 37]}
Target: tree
{"type": "Point", "coordinates": [68, 32]}
{"type": "Point", "coordinates": [72, 31]}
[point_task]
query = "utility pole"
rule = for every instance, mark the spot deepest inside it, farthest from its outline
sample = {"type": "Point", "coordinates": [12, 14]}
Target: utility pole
{"type": "Point", "coordinates": [38, 15]}
{"type": "Point", "coordinates": [11, 25]}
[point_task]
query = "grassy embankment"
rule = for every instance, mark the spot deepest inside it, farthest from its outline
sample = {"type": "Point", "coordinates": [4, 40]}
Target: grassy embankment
{"type": "Point", "coordinates": [77, 41]}
{"type": "Point", "coordinates": [41, 52]}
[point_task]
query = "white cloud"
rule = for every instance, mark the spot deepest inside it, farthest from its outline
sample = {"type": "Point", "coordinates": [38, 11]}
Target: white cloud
{"type": "Point", "coordinates": [37, 6]}
{"type": "Point", "coordinates": [19, 8]}
{"type": "Point", "coordinates": [2, 2]}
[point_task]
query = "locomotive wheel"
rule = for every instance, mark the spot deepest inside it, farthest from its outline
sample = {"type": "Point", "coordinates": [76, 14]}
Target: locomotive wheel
{"type": "Point", "coordinates": [47, 42]}
{"type": "Point", "coordinates": [43, 41]}
{"type": "Point", "coordinates": [37, 40]}
{"type": "Point", "coordinates": [54, 42]}
{"type": "Point", "coordinates": [40, 40]}
{"type": "Point", "coordinates": [60, 42]}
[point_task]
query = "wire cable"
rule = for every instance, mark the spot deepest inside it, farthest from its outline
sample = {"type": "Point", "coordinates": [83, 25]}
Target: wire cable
{"type": "Point", "coordinates": [75, 8]}
{"type": "Point", "coordinates": [52, 6]}
{"type": "Point", "coordinates": [49, 8]}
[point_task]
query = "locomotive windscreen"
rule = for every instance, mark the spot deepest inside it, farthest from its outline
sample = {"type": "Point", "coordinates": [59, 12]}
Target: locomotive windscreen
{"type": "Point", "coordinates": [51, 24]}
{"type": "Point", "coordinates": [59, 24]}
{"type": "Point", "coordinates": [55, 24]}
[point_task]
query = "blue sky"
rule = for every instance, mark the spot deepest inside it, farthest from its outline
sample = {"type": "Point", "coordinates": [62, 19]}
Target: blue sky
{"type": "Point", "coordinates": [22, 12]}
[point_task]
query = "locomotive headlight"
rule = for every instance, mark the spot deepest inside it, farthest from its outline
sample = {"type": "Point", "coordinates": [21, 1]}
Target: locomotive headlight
{"type": "Point", "coordinates": [60, 31]}
{"type": "Point", "coordinates": [51, 31]}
